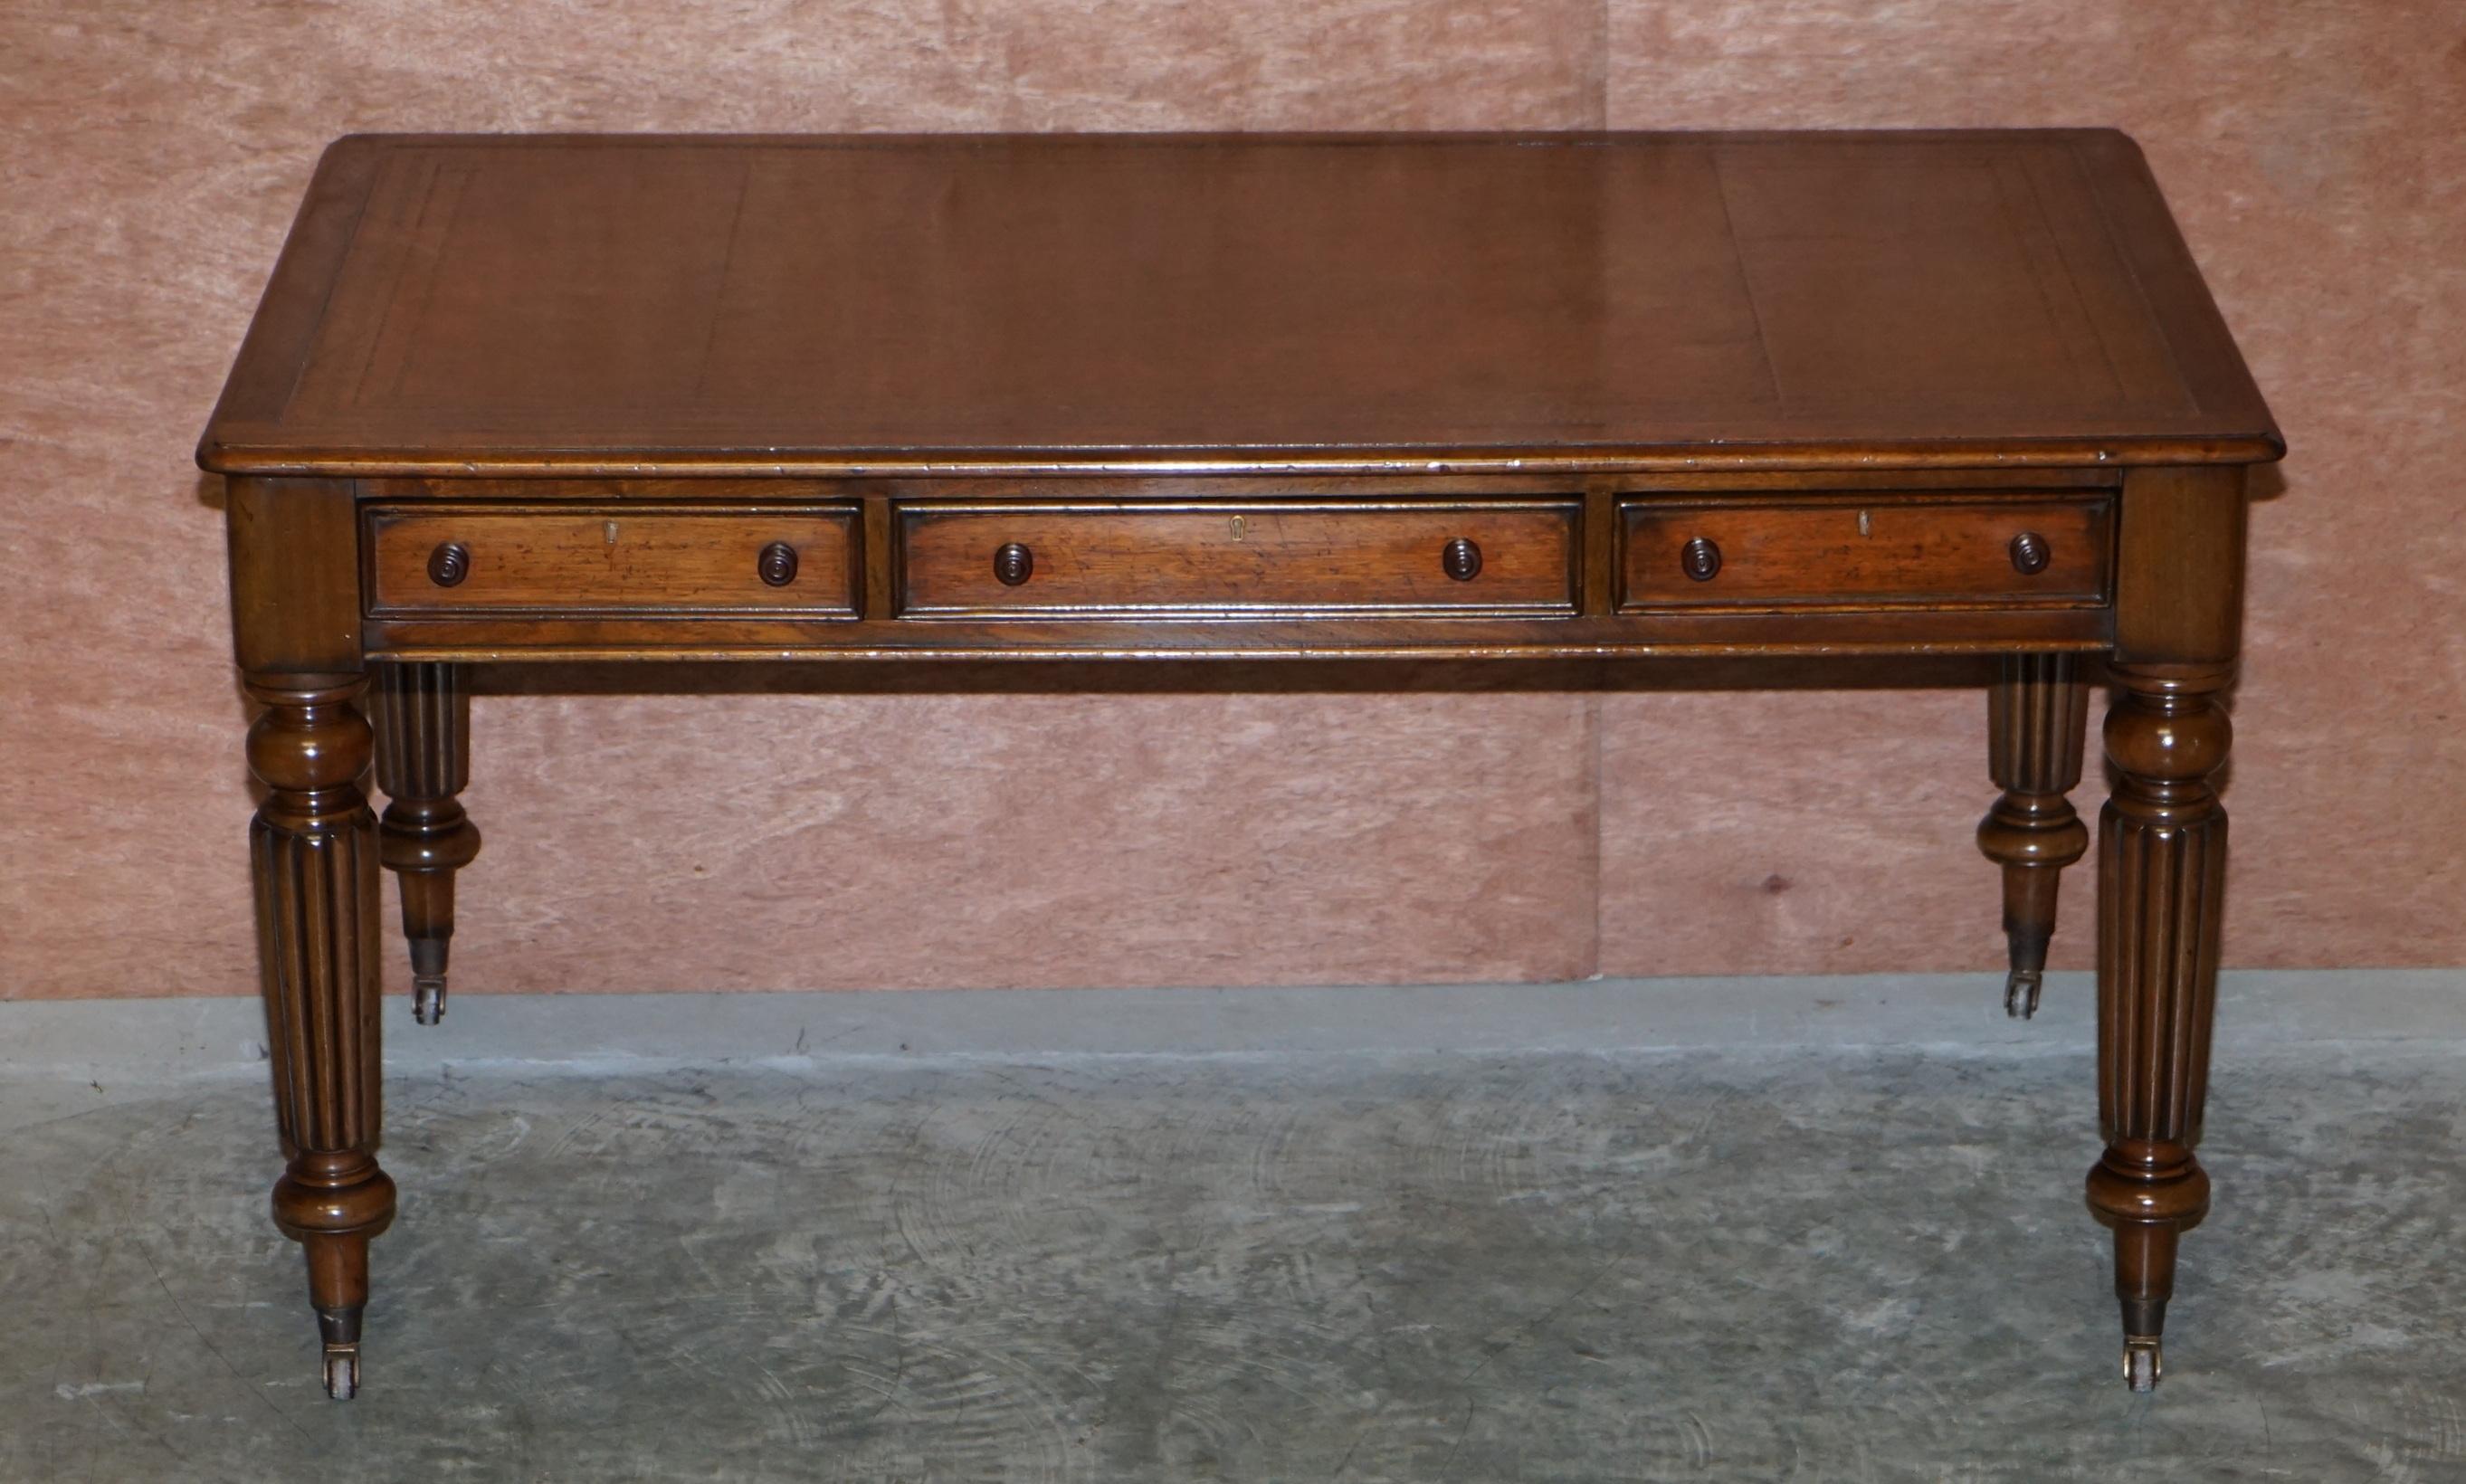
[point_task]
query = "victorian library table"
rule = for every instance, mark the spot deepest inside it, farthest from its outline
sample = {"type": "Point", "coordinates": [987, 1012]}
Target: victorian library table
{"type": "Point", "coordinates": [1619, 397]}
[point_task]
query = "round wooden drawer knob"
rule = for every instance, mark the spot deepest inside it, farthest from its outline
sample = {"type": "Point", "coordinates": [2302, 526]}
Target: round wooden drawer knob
{"type": "Point", "coordinates": [2030, 554]}
{"type": "Point", "coordinates": [449, 564]}
{"type": "Point", "coordinates": [1699, 559]}
{"type": "Point", "coordinates": [1461, 559]}
{"type": "Point", "coordinates": [777, 564]}
{"type": "Point", "coordinates": [1014, 564]}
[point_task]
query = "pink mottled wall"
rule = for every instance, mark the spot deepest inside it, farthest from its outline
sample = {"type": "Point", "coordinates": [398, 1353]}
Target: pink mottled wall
{"type": "Point", "coordinates": [871, 834]}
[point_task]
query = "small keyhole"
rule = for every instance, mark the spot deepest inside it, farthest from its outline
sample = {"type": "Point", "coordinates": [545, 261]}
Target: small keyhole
{"type": "Point", "coordinates": [1862, 524]}
{"type": "Point", "coordinates": [611, 529]}
{"type": "Point", "coordinates": [1241, 528]}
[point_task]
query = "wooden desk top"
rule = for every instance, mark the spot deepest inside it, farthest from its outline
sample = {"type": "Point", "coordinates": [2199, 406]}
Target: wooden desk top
{"type": "Point", "coordinates": [607, 304]}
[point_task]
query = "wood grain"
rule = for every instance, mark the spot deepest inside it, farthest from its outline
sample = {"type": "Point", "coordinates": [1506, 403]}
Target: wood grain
{"type": "Point", "coordinates": [294, 597]}
{"type": "Point", "coordinates": [2180, 566]}
{"type": "Point", "coordinates": [1864, 552]}
{"type": "Point", "coordinates": [563, 561]}
{"type": "Point", "coordinates": [1233, 558]}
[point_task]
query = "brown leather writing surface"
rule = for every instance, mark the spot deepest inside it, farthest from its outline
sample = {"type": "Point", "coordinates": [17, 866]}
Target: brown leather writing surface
{"type": "Point", "coordinates": [477, 302]}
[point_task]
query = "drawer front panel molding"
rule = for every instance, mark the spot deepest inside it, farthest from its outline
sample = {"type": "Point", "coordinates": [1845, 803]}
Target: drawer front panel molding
{"type": "Point", "coordinates": [1865, 552]}
{"type": "Point", "coordinates": [439, 559]}
{"type": "Point", "coordinates": [1235, 559]}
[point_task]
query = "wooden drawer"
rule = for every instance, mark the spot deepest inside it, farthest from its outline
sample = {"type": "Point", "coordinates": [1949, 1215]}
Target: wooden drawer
{"type": "Point", "coordinates": [1238, 559]}
{"type": "Point", "coordinates": [1866, 551]}
{"type": "Point", "coordinates": [678, 560]}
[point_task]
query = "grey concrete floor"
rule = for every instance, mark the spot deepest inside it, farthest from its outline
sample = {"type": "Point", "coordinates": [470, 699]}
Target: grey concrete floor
{"type": "Point", "coordinates": [1797, 1265]}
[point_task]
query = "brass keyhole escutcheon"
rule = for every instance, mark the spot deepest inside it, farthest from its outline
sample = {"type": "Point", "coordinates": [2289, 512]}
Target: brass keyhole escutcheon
{"type": "Point", "coordinates": [777, 564]}
{"type": "Point", "coordinates": [2030, 554]}
{"type": "Point", "coordinates": [1699, 559]}
{"type": "Point", "coordinates": [1013, 564]}
{"type": "Point", "coordinates": [449, 564]}
{"type": "Point", "coordinates": [1241, 527]}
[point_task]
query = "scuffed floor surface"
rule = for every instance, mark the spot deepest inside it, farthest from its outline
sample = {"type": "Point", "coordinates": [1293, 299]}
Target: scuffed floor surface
{"type": "Point", "coordinates": [1341, 1268]}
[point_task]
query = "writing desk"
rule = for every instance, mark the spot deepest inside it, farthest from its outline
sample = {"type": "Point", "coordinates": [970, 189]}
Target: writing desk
{"type": "Point", "coordinates": [1279, 397]}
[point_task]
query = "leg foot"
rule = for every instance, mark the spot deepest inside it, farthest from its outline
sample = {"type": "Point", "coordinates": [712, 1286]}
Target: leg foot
{"type": "Point", "coordinates": [423, 749]}
{"type": "Point", "coordinates": [427, 981]}
{"type": "Point", "coordinates": [2035, 717]}
{"type": "Point", "coordinates": [2021, 993]}
{"type": "Point", "coordinates": [342, 1372]}
{"type": "Point", "coordinates": [338, 1288]}
{"type": "Point", "coordinates": [2144, 1363]}
{"type": "Point", "coordinates": [341, 1329]}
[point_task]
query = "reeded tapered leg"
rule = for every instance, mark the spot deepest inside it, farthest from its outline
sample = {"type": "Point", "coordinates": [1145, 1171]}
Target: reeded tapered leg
{"type": "Point", "coordinates": [2161, 862]}
{"type": "Point", "coordinates": [423, 717]}
{"type": "Point", "coordinates": [314, 849]}
{"type": "Point", "coordinates": [2035, 718]}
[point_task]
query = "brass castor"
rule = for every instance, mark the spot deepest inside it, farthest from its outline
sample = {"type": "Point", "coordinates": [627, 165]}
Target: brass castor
{"type": "Point", "coordinates": [2021, 994]}
{"type": "Point", "coordinates": [428, 979]}
{"type": "Point", "coordinates": [428, 1000]}
{"type": "Point", "coordinates": [2142, 1364]}
{"type": "Point", "coordinates": [342, 1372]}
